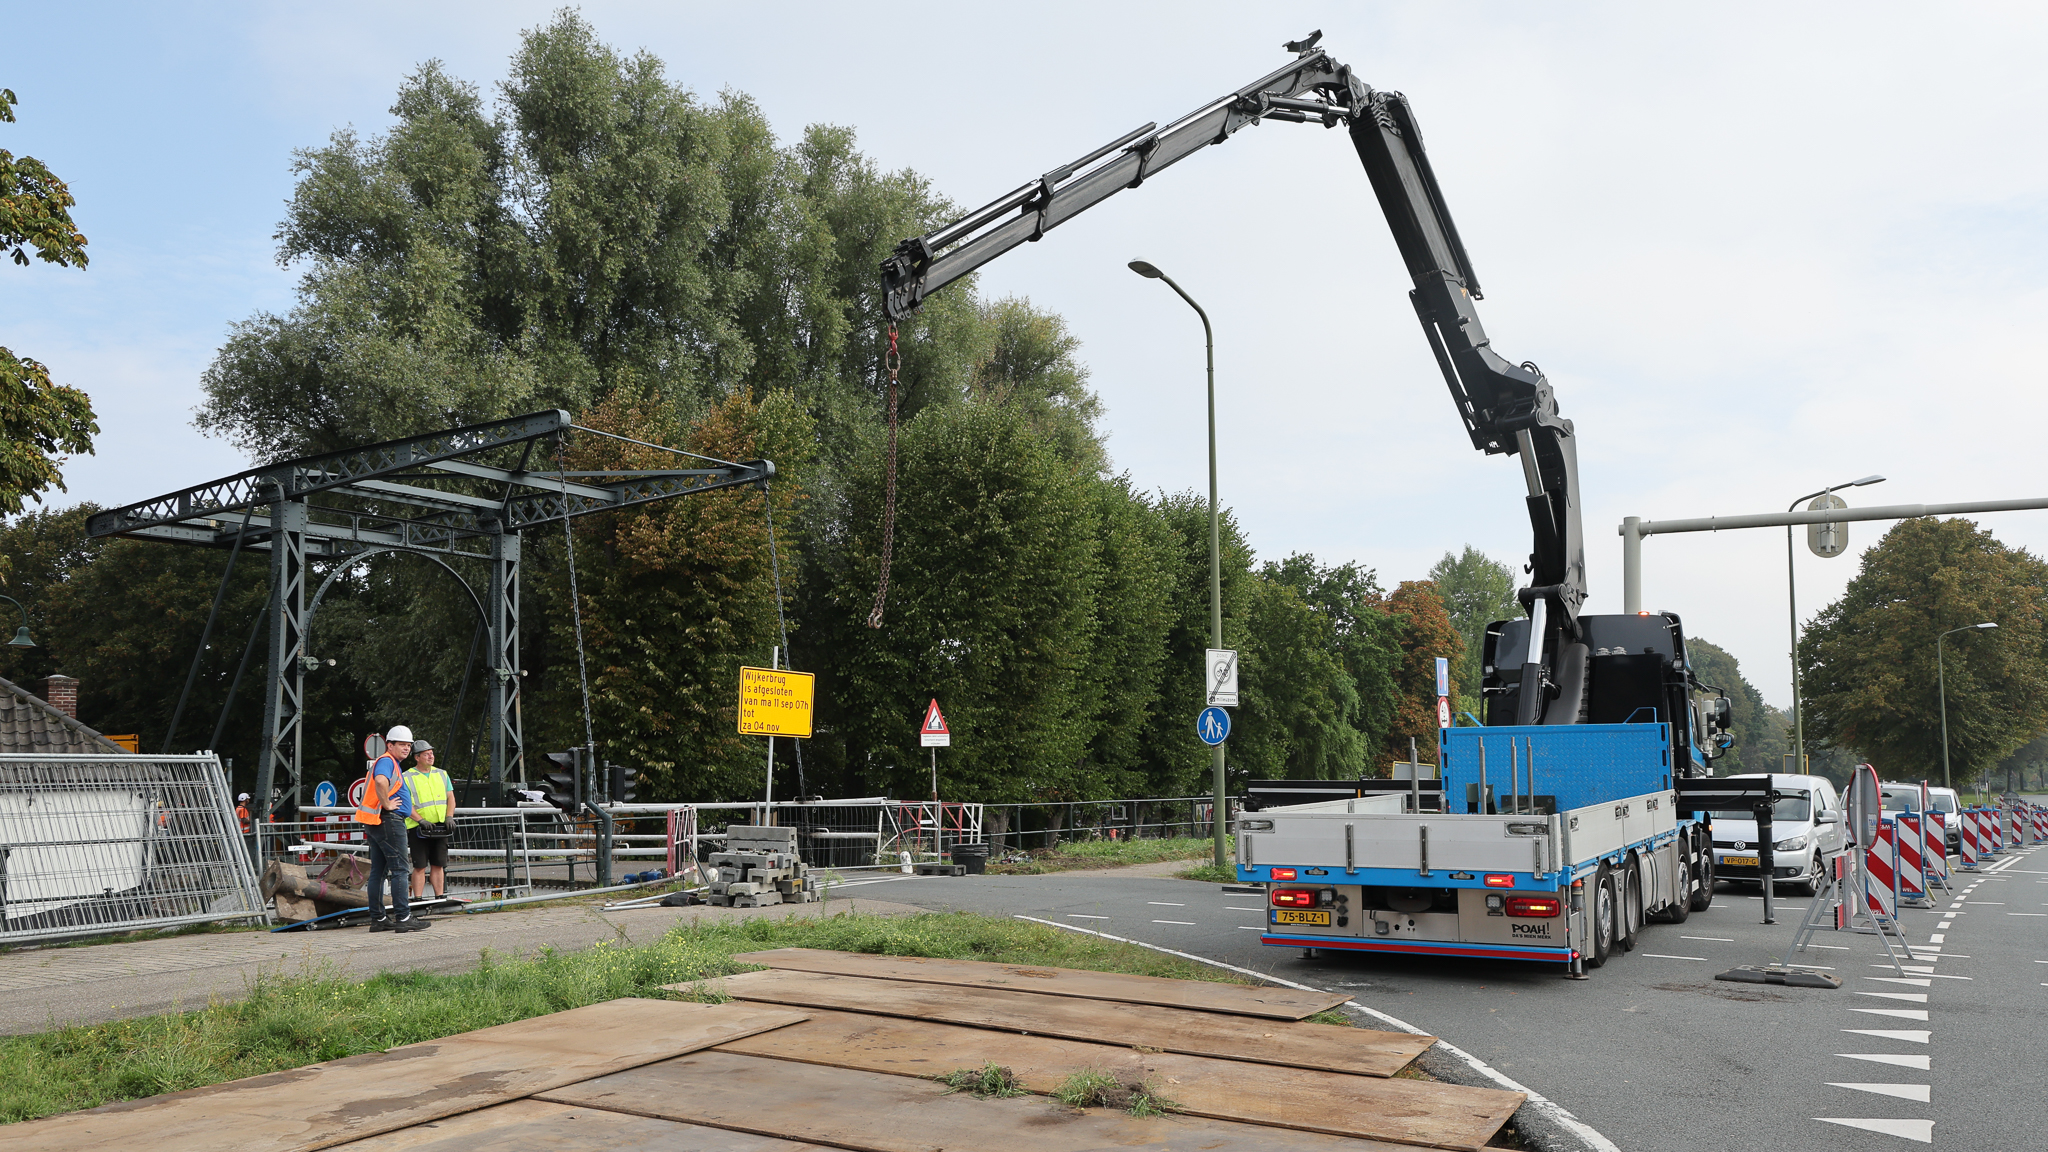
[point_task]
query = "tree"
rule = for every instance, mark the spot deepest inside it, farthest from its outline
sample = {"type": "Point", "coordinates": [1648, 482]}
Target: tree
{"type": "Point", "coordinates": [41, 422]}
{"type": "Point", "coordinates": [1476, 590]}
{"type": "Point", "coordinates": [991, 611]}
{"type": "Point", "coordinates": [1759, 729]}
{"type": "Point", "coordinates": [1365, 641]}
{"type": "Point", "coordinates": [1425, 634]}
{"type": "Point", "coordinates": [1868, 661]}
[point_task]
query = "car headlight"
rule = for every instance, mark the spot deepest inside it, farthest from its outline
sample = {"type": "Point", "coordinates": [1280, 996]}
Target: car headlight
{"type": "Point", "coordinates": [1792, 845]}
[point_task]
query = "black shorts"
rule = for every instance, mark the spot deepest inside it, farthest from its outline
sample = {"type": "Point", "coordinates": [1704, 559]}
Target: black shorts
{"type": "Point", "coordinates": [427, 851]}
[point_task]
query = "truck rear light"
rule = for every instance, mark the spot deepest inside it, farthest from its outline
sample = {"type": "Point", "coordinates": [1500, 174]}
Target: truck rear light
{"type": "Point", "coordinates": [1294, 898]}
{"type": "Point", "coordinates": [1499, 880]}
{"type": "Point", "coordinates": [1533, 906]}
{"type": "Point", "coordinates": [1283, 873]}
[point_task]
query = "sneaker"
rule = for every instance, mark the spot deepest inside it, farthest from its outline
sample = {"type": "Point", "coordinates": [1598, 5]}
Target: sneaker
{"type": "Point", "coordinates": [380, 924]}
{"type": "Point", "coordinates": [413, 924]}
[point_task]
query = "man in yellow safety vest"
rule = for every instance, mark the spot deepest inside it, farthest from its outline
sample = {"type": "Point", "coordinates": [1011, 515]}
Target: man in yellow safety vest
{"type": "Point", "coordinates": [428, 828]}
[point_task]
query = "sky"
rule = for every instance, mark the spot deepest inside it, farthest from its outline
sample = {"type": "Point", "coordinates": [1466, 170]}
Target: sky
{"type": "Point", "coordinates": [1758, 249]}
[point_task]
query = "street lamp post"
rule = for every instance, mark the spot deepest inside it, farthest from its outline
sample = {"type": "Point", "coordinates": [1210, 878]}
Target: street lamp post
{"type": "Point", "coordinates": [1215, 532]}
{"type": "Point", "coordinates": [21, 639]}
{"type": "Point", "coordinates": [1792, 609]}
{"type": "Point", "coordinates": [1941, 680]}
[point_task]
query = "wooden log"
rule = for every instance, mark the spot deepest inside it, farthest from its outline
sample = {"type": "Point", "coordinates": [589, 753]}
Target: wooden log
{"type": "Point", "coordinates": [1408, 1111]}
{"type": "Point", "coordinates": [1296, 1045]}
{"type": "Point", "coordinates": [876, 1112]}
{"type": "Point", "coordinates": [1198, 995]}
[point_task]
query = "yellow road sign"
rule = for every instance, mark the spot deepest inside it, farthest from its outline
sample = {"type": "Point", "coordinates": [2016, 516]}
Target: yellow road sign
{"type": "Point", "coordinates": [776, 702]}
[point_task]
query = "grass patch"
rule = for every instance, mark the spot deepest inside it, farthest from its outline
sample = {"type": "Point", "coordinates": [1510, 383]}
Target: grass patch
{"type": "Point", "coordinates": [292, 1019]}
{"type": "Point", "coordinates": [989, 1080]}
{"type": "Point", "coordinates": [1209, 873]}
{"type": "Point", "coordinates": [1094, 1088]}
{"type": "Point", "coordinates": [1067, 857]}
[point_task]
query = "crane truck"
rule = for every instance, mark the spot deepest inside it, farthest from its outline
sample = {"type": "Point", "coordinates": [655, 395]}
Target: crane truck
{"type": "Point", "coordinates": [1556, 828]}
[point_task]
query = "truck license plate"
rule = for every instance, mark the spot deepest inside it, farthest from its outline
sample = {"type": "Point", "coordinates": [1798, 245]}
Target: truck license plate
{"type": "Point", "coordinates": [1301, 916]}
{"type": "Point", "coordinates": [1740, 861]}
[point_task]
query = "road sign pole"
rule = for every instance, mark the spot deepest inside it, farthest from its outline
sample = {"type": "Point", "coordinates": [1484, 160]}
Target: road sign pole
{"type": "Point", "coordinates": [768, 800]}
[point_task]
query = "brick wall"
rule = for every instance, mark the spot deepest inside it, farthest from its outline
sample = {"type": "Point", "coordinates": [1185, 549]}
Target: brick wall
{"type": "Point", "coordinates": [62, 693]}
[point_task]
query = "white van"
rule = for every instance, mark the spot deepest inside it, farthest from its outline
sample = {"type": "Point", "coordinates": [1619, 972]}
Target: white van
{"type": "Point", "coordinates": [1807, 829]}
{"type": "Point", "coordinates": [1906, 798]}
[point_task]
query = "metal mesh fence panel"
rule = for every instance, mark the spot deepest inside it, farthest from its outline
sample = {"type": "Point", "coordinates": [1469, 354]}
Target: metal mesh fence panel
{"type": "Point", "coordinates": [92, 844]}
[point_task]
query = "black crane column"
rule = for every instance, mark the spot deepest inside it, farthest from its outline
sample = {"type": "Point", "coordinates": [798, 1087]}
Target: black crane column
{"type": "Point", "coordinates": [278, 758]}
{"type": "Point", "coordinates": [508, 744]}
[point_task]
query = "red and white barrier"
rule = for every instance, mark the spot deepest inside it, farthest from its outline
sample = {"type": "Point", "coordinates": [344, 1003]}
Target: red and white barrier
{"type": "Point", "coordinates": [1911, 873]}
{"type": "Point", "coordinates": [1934, 848]}
{"type": "Point", "coordinates": [1845, 908]}
{"type": "Point", "coordinates": [1973, 830]}
{"type": "Point", "coordinates": [1880, 872]}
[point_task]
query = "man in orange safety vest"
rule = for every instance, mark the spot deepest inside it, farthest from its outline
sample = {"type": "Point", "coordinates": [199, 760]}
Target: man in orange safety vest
{"type": "Point", "coordinates": [385, 804]}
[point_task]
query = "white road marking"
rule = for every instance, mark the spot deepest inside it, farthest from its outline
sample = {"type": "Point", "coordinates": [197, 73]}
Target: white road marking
{"type": "Point", "coordinates": [1164, 904]}
{"type": "Point", "coordinates": [1715, 939]}
{"type": "Point", "coordinates": [1902, 1091]}
{"type": "Point", "coordinates": [1919, 1014]}
{"type": "Point", "coordinates": [1235, 908]}
{"type": "Point", "coordinates": [1180, 923]}
{"type": "Point", "coordinates": [1914, 981]}
{"type": "Point", "coordinates": [1919, 1062]}
{"type": "Point", "coordinates": [1251, 927]}
{"type": "Point", "coordinates": [1909, 1035]}
{"type": "Point", "coordinates": [1080, 916]}
{"type": "Point", "coordinates": [2027, 913]}
{"type": "Point", "coordinates": [1908, 997]}
{"type": "Point", "coordinates": [1920, 1131]}
{"type": "Point", "coordinates": [1831, 947]}
{"type": "Point", "coordinates": [1937, 938]}
{"type": "Point", "coordinates": [1663, 956]}
{"type": "Point", "coordinates": [1813, 967]}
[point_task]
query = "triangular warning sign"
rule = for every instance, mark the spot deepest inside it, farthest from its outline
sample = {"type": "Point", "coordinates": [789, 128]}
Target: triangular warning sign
{"type": "Point", "coordinates": [935, 720]}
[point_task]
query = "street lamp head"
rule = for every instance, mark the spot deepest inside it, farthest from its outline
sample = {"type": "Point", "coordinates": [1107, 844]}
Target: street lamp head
{"type": "Point", "coordinates": [1146, 270]}
{"type": "Point", "coordinates": [21, 639]}
{"type": "Point", "coordinates": [1984, 625]}
{"type": "Point", "coordinates": [1865, 480]}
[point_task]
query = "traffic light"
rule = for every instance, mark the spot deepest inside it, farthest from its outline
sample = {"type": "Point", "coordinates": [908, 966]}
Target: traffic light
{"type": "Point", "coordinates": [562, 784]}
{"type": "Point", "coordinates": [621, 784]}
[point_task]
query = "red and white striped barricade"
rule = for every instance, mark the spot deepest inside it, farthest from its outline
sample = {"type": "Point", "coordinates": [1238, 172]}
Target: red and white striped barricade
{"type": "Point", "coordinates": [1881, 873]}
{"type": "Point", "coordinates": [1912, 876]}
{"type": "Point", "coordinates": [1988, 840]}
{"type": "Point", "coordinates": [2041, 825]}
{"type": "Point", "coordinates": [1934, 849]}
{"type": "Point", "coordinates": [1845, 874]}
{"type": "Point", "coordinates": [1973, 830]}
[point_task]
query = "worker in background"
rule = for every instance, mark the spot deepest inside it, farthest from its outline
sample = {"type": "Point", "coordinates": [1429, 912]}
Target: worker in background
{"type": "Point", "coordinates": [382, 813]}
{"type": "Point", "coordinates": [242, 811]}
{"type": "Point", "coordinates": [430, 826]}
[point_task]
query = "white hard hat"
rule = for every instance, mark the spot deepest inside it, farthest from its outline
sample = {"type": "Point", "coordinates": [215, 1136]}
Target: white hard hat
{"type": "Point", "coordinates": [399, 733]}
{"type": "Point", "coordinates": [243, 796]}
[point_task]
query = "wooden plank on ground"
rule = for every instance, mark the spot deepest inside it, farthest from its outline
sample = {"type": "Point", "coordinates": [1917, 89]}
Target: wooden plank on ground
{"type": "Point", "coordinates": [1198, 995]}
{"type": "Point", "coordinates": [877, 1112]}
{"type": "Point", "coordinates": [322, 1105]}
{"type": "Point", "coordinates": [534, 1126]}
{"type": "Point", "coordinates": [1296, 1045]}
{"type": "Point", "coordinates": [1410, 1111]}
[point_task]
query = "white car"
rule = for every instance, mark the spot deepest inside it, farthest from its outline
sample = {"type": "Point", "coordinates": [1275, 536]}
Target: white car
{"type": "Point", "coordinates": [1906, 798]}
{"type": "Point", "coordinates": [1806, 827]}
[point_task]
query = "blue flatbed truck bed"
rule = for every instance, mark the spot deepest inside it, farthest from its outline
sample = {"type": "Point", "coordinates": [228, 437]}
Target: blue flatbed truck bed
{"type": "Point", "coordinates": [1577, 842]}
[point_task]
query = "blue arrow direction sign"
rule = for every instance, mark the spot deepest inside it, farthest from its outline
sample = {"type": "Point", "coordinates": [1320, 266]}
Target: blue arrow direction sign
{"type": "Point", "coordinates": [1213, 726]}
{"type": "Point", "coordinates": [324, 794]}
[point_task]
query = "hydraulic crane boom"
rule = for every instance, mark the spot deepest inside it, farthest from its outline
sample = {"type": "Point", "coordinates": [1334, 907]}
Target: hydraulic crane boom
{"type": "Point", "coordinates": [1507, 408]}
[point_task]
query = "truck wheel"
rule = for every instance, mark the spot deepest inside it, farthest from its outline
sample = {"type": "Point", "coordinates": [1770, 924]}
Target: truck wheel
{"type": "Point", "coordinates": [1704, 898]}
{"type": "Point", "coordinates": [1603, 914]}
{"type": "Point", "coordinates": [1681, 905]}
{"type": "Point", "coordinates": [1631, 906]}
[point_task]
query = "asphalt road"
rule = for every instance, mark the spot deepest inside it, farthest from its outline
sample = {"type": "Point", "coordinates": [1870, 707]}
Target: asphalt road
{"type": "Point", "coordinates": [1652, 1051]}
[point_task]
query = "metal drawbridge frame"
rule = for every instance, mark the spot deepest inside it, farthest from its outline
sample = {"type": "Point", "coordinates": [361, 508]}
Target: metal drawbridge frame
{"type": "Point", "coordinates": [465, 492]}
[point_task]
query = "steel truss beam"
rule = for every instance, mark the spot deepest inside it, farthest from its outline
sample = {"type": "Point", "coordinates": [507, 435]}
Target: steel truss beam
{"type": "Point", "coordinates": [448, 494]}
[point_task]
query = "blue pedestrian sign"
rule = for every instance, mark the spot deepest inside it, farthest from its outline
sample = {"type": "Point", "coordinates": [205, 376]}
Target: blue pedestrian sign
{"type": "Point", "coordinates": [1213, 726]}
